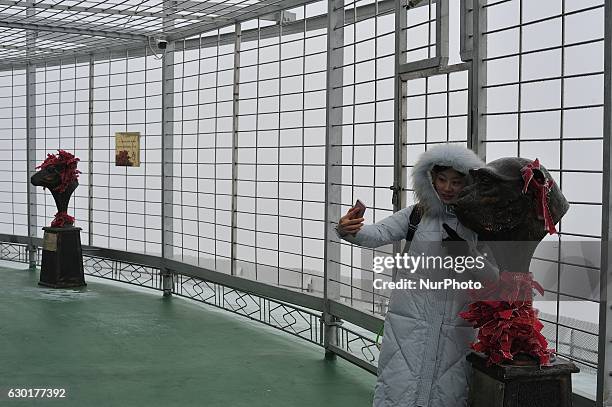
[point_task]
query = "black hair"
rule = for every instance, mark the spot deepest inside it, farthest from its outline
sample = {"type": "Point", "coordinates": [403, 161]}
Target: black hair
{"type": "Point", "coordinates": [439, 168]}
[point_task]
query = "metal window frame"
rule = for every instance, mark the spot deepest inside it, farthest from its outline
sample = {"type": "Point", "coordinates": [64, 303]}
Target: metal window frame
{"type": "Point", "coordinates": [442, 30]}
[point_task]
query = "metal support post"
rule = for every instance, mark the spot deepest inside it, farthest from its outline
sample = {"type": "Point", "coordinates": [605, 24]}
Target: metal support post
{"type": "Point", "coordinates": [466, 30]}
{"type": "Point", "coordinates": [333, 173]}
{"type": "Point", "coordinates": [167, 153]}
{"type": "Point", "coordinates": [235, 117]}
{"type": "Point", "coordinates": [399, 116]}
{"type": "Point", "coordinates": [90, 169]}
{"type": "Point", "coordinates": [167, 139]}
{"type": "Point", "coordinates": [604, 359]}
{"type": "Point", "coordinates": [442, 25]}
{"type": "Point", "coordinates": [31, 140]}
{"type": "Point", "coordinates": [477, 80]}
{"type": "Point", "coordinates": [167, 281]}
{"type": "Point", "coordinates": [330, 334]}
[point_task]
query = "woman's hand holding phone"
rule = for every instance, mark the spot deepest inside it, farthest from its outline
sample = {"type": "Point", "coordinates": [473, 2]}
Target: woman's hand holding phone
{"type": "Point", "coordinates": [352, 221]}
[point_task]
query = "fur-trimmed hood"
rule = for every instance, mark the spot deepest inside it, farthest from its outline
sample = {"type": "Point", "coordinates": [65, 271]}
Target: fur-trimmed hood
{"type": "Point", "coordinates": [453, 155]}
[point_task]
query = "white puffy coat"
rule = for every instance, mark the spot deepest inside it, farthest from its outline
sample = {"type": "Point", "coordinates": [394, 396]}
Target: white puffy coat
{"type": "Point", "coordinates": [425, 342]}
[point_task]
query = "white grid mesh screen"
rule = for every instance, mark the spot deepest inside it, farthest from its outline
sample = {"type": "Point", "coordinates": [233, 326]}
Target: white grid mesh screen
{"type": "Point", "coordinates": [367, 141]}
{"type": "Point", "coordinates": [62, 122]}
{"type": "Point", "coordinates": [13, 170]}
{"type": "Point", "coordinates": [281, 152]}
{"type": "Point", "coordinates": [202, 152]}
{"type": "Point", "coordinates": [127, 200]}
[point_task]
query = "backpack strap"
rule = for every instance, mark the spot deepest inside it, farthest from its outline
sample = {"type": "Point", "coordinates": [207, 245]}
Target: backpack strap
{"type": "Point", "coordinates": [415, 219]}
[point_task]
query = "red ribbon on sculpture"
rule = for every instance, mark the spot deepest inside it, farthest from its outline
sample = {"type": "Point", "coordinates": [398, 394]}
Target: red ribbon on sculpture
{"type": "Point", "coordinates": [542, 191]}
{"type": "Point", "coordinates": [61, 218]}
{"type": "Point", "coordinates": [507, 323]}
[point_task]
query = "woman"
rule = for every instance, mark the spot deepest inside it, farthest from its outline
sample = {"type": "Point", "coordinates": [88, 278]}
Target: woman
{"type": "Point", "coordinates": [422, 360]}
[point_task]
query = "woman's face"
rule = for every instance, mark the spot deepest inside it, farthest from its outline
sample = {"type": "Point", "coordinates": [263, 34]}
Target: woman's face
{"type": "Point", "coordinates": [448, 184]}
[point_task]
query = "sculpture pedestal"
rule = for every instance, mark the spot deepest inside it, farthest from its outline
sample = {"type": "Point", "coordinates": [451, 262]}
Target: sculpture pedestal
{"type": "Point", "coordinates": [62, 258]}
{"type": "Point", "coordinates": [520, 386]}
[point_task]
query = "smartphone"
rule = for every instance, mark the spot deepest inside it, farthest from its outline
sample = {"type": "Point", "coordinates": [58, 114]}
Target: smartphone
{"type": "Point", "coordinates": [361, 210]}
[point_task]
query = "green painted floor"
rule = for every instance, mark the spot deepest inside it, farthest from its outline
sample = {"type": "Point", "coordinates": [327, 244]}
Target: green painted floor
{"type": "Point", "coordinates": [112, 346]}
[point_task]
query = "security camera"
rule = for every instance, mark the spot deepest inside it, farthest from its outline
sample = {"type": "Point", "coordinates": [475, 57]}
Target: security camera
{"type": "Point", "coordinates": [161, 43]}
